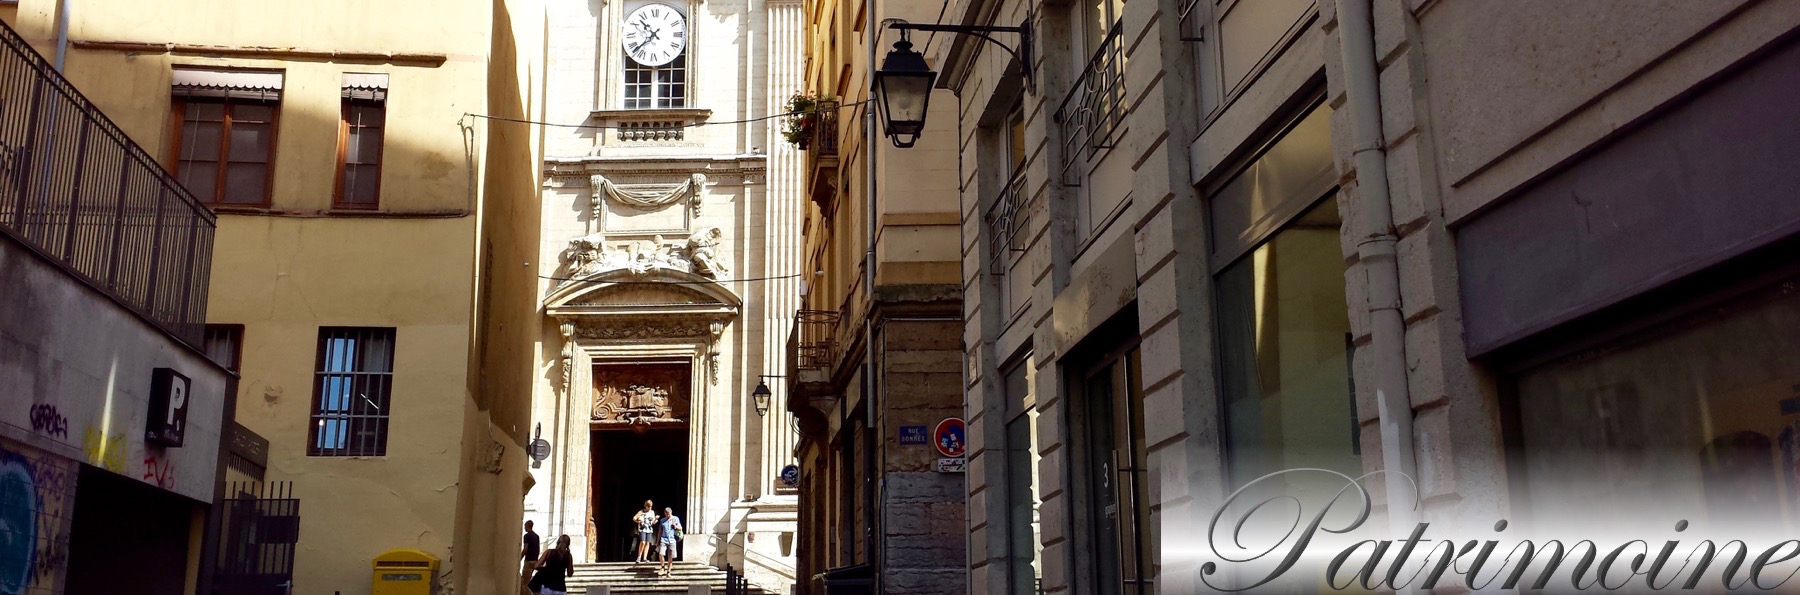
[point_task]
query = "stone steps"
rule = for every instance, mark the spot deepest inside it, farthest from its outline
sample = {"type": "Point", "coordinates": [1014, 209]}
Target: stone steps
{"type": "Point", "coordinates": [626, 578]}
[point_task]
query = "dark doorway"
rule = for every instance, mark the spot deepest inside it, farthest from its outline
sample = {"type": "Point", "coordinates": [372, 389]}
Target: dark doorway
{"type": "Point", "coordinates": [126, 533]}
{"type": "Point", "coordinates": [629, 468]}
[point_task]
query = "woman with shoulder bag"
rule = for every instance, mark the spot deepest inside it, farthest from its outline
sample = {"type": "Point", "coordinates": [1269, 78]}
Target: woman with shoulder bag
{"type": "Point", "coordinates": [553, 569]}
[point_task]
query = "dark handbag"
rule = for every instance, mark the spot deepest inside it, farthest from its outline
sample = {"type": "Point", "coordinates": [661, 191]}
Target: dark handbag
{"type": "Point", "coordinates": [537, 581]}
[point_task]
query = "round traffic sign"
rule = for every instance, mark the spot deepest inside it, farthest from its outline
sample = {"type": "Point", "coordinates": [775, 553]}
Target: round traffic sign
{"type": "Point", "coordinates": [949, 437]}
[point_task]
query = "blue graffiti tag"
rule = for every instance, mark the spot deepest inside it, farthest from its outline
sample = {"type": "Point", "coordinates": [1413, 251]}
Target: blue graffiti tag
{"type": "Point", "coordinates": [18, 523]}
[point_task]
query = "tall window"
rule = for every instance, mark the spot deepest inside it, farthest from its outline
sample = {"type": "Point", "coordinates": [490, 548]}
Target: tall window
{"type": "Point", "coordinates": [1024, 544]}
{"type": "Point", "coordinates": [353, 383]}
{"type": "Point", "coordinates": [1119, 502]}
{"type": "Point", "coordinates": [224, 146]}
{"type": "Point", "coordinates": [1284, 328]}
{"type": "Point", "coordinates": [360, 136]}
{"type": "Point", "coordinates": [656, 87]}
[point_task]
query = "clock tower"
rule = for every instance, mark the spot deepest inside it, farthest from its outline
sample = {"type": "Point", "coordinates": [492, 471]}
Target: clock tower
{"type": "Point", "coordinates": [671, 213]}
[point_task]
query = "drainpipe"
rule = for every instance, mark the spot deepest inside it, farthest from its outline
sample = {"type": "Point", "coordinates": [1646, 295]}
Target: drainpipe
{"type": "Point", "coordinates": [1375, 247]}
{"type": "Point", "coordinates": [871, 136]}
{"type": "Point", "coordinates": [62, 31]}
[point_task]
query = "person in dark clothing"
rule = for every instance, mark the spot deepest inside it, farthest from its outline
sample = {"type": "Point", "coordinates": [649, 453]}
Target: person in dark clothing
{"type": "Point", "coordinates": [553, 569]}
{"type": "Point", "coordinates": [529, 554]}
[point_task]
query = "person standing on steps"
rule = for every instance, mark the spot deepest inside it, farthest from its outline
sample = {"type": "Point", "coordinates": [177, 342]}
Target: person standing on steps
{"type": "Point", "coordinates": [671, 532]}
{"type": "Point", "coordinates": [554, 569]}
{"type": "Point", "coordinates": [529, 554]}
{"type": "Point", "coordinates": [646, 524]}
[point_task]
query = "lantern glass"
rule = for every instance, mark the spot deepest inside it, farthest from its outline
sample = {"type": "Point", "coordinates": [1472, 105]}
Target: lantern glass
{"type": "Point", "coordinates": [761, 395]}
{"type": "Point", "coordinates": [904, 88]}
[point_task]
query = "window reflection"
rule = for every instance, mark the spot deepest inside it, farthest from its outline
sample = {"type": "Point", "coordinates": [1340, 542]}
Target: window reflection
{"type": "Point", "coordinates": [1285, 359]}
{"type": "Point", "coordinates": [1699, 422]}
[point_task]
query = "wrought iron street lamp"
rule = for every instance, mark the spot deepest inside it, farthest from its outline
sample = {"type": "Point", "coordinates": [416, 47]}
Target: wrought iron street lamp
{"type": "Point", "coordinates": [903, 90]}
{"type": "Point", "coordinates": [903, 85]}
{"type": "Point", "coordinates": [761, 395]}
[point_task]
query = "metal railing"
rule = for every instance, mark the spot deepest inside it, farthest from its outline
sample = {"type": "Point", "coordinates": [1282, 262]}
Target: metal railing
{"type": "Point", "coordinates": [811, 346]}
{"type": "Point", "coordinates": [77, 190]}
{"type": "Point", "coordinates": [824, 141]}
{"type": "Point", "coordinates": [1005, 219]}
{"type": "Point", "coordinates": [1094, 108]}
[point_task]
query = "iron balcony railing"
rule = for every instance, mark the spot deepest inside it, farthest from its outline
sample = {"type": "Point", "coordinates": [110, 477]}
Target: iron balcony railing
{"type": "Point", "coordinates": [824, 141]}
{"type": "Point", "coordinates": [822, 155]}
{"type": "Point", "coordinates": [1005, 220]}
{"type": "Point", "coordinates": [78, 191]}
{"type": "Point", "coordinates": [811, 345]}
{"type": "Point", "coordinates": [1092, 112]}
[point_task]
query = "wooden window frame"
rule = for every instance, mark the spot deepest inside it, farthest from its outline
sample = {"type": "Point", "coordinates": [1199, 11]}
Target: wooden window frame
{"type": "Point", "coordinates": [343, 153]}
{"type": "Point", "coordinates": [178, 114]}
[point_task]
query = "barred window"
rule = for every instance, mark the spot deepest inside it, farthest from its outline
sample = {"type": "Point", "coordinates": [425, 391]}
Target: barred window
{"type": "Point", "coordinates": [224, 344]}
{"type": "Point", "coordinates": [351, 394]}
{"type": "Point", "coordinates": [656, 87]}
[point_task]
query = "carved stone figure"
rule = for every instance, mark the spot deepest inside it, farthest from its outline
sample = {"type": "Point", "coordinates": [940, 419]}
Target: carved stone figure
{"type": "Point", "coordinates": [704, 253]}
{"type": "Point", "coordinates": [584, 255]}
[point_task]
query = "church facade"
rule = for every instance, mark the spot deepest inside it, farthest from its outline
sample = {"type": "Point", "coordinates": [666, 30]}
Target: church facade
{"type": "Point", "coordinates": [670, 264]}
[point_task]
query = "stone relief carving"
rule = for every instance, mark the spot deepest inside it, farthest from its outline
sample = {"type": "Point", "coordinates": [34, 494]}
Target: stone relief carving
{"type": "Point", "coordinates": [703, 252]}
{"type": "Point", "coordinates": [593, 254]}
{"type": "Point", "coordinates": [640, 396]}
{"type": "Point", "coordinates": [645, 328]}
{"type": "Point", "coordinates": [648, 196]}
{"type": "Point", "coordinates": [635, 404]}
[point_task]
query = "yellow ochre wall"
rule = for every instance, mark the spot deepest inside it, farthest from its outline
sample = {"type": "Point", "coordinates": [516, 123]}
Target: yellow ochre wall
{"type": "Point", "coordinates": [452, 187]}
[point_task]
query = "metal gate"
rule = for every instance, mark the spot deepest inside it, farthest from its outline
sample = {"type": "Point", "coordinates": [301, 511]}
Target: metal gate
{"type": "Point", "coordinates": [259, 525]}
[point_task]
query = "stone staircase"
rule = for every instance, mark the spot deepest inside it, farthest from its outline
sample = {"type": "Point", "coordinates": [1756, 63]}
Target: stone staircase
{"type": "Point", "coordinates": [627, 578]}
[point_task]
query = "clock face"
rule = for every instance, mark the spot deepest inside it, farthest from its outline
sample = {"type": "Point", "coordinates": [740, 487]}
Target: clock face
{"type": "Point", "coordinates": [655, 34]}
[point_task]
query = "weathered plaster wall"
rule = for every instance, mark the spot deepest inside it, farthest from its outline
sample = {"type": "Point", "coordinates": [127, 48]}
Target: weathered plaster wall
{"type": "Point", "coordinates": [75, 377]}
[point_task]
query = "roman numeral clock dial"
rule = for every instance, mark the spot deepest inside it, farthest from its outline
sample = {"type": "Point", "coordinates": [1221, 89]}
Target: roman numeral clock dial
{"type": "Point", "coordinates": [655, 34]}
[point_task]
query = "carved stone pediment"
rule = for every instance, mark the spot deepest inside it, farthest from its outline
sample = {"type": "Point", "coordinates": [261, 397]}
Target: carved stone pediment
{"type": "Point", "coordinates": [643, 295]}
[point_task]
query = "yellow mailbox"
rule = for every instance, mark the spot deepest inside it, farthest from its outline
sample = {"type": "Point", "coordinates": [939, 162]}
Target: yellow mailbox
{"type": "Point", "coordinates": [405, 572]}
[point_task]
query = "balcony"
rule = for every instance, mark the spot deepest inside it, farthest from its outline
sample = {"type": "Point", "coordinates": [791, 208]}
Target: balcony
{"type": "Point", "coordinates": [78, 192]}
{"type": "Point", "coordinates": [1092, 112]}
{"type": "Point", "coordinates": [811, 355]}
{"type": "Point", "coordinates": [822, 156]}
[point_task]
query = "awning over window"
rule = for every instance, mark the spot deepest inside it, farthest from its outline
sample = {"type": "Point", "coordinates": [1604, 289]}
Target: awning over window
{"type": "Point", "coordinates": [365, 86]}
{"type": "Point", "coordinates": [194, 82]}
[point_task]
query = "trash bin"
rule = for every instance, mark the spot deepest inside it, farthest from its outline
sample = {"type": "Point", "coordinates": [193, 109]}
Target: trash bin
{"type": "Point", "coordinates": [405, 572]}
{"type": "Point", "coordinates": [850, 580]}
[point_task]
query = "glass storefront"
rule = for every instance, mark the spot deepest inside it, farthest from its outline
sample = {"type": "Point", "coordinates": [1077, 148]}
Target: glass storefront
{"type": "Point", "coordinates": [1696, 419]}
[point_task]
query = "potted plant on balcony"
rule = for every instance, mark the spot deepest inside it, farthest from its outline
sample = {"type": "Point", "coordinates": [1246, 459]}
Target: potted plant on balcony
{"type": "Point", "coordinates": [797, 127]}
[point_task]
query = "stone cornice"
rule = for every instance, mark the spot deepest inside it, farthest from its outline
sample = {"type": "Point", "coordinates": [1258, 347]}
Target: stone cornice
{"type": "Point", "coordinates": [567, 169]}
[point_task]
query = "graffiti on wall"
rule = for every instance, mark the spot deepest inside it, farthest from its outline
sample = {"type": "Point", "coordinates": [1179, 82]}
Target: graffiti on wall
{"type": "Point", "coordinates": [159, 472]}
{"type": "Point", "coordinates": [106, 452]}
{"type": "Point", "coordinates": [46, 420]}
{"type": "Point", "coordinates": [37, 492]}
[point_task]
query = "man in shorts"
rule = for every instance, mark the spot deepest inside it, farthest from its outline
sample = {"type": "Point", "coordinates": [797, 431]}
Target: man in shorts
{"type": "Point", "coordinates": [671, 532]}
{"type": "Point", "coordinates": [646, 524]}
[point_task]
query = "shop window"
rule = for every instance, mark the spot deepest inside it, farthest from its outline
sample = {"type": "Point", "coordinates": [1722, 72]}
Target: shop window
{"type": "Point", "coordinates": [1284, 356]}
{"type": "Point", "coordinates": [352, 389]}
{"type": "Point", "coordinates": [1118, 502]}
{"type": "Point", "coordinates": [1024, 534]}
{"type": "Point", "coordinates": [1696, 419]}
{"type": "Point", "coordinates": [1283, 320]}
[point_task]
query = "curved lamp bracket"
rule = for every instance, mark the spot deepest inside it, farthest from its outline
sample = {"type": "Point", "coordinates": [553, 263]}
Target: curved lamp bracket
{"type": "Point", "coordinates": [1022, 54]}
